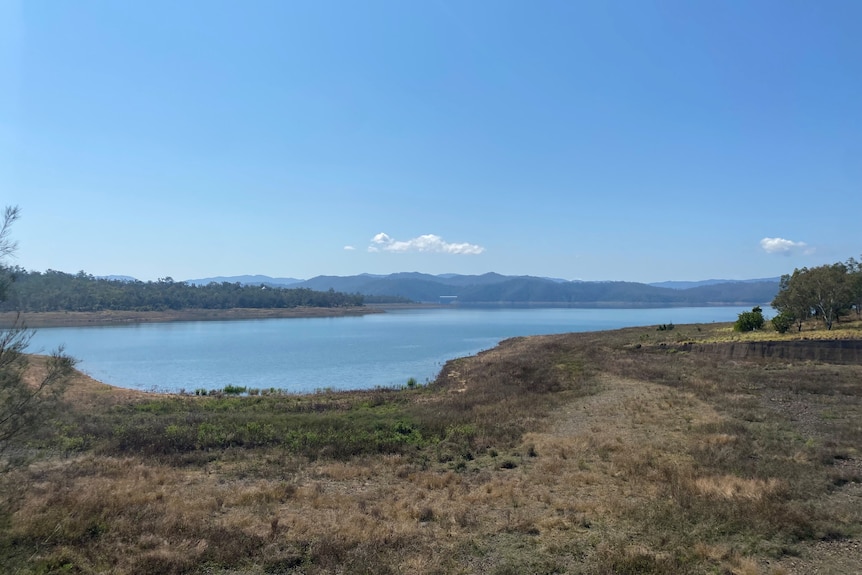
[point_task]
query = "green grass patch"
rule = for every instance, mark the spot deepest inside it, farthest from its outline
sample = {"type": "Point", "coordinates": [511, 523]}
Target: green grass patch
{"type": "Point", "coordinates": [313, 426]}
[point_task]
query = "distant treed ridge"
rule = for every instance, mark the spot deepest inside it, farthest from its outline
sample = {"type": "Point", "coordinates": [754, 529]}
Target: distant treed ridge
{"type": "Point", "coordinates": [34, 291]}
{"type": "Point", "coordinates": [52, 290]}
{"type": "Point", "coordinates": [496, 289]}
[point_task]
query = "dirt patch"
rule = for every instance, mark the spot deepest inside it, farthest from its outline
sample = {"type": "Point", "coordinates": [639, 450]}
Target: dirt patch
{"type": "Point", "coordinates": [82, 391]}
{"type": "Point", "coordinates": [822, 558]}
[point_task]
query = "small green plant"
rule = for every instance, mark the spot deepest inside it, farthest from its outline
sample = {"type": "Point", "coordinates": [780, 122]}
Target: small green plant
{"type": "Point", "coordinates": [666, 327]}
{"type": "Point", "coordinates": [234, 390]}
{"type": "Point", "coordinates": [411, 383]}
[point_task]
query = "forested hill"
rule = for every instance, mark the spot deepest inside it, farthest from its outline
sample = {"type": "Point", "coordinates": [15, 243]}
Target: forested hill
{"type": "Point", "coordinates": [517, 290]}
{"type": "Point", "coordinates": [58, 291]}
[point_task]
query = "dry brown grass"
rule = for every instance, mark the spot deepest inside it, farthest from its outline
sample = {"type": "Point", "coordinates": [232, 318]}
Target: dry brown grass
{"type": "Point", "coordinates": [600, 458]}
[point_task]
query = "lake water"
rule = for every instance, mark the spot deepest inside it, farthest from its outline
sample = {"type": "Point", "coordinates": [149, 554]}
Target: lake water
{"type": "Point", "coordinates": [306, 354]}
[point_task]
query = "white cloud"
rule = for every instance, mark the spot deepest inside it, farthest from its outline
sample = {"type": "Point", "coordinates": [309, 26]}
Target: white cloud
{"type": "Point", "coordinates": [349, 248]}
{"type": "Point", "coordinates": [381, 238]}
{"type": "Point", "coordinates": [426, 243]}
{"type": "Point", "coordinates": [785, 247]}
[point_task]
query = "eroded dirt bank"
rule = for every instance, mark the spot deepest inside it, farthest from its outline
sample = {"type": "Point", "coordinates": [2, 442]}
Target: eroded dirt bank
{"type": "Point", "coordinates": [846, 351]}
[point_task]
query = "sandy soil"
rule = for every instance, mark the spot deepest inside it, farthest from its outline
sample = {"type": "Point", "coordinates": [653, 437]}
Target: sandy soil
{"type": "Point", "coordinates": [83, 391]}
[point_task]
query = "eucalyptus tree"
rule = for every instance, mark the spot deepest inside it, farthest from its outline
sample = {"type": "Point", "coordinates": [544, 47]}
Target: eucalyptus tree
{"type": "Point", "coordinates": [828, 292]}
{"type": "Point", "coordinates": [793, 300]}
{"type": "Point", "coordinates": [854, 268]}
{"type": "Point", "coordinates": [831, 291]}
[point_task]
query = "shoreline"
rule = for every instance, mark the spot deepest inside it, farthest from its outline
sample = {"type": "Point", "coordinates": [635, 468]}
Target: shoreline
{"type": "Point", "coordinates": [122, 317]}
{"type": "Point", "coordinates": [129, 317]}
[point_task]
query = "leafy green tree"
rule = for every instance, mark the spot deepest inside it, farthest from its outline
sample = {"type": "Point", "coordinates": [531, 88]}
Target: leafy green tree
{"type": "Point", "coordinates": [750, 320]}
{"type": "Point", "coordinates": [830, 290]}
{"type": "Point", "coordinates": [26, 400]}
{"type": "Point", "coordinates": [854, 269]}
{"type": "Point", "coordinates": [793, 299]}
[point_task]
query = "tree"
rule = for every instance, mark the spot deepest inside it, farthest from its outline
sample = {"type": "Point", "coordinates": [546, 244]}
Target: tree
{"type": "Point", "coordinates": [854, 269]}
{"type": "Point", "coordinates": [830, 289]}
{"type": "Point", "coordinates": [793, 300]}
{"type": "Point", "coordinates": [25, 401]}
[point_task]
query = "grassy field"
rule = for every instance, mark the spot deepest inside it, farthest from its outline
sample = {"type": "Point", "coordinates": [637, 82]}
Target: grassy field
{"type": "Point", "coordinates": [594, 453]}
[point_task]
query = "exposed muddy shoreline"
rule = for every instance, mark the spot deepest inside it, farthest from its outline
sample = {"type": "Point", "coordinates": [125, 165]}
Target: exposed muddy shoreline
{"type": "Point", "coordinates": [80, 319]}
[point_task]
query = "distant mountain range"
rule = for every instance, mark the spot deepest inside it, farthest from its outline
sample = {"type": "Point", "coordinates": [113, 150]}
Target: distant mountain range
{"type": "Point", "coordinates": [687, 285]}
{"type": "Point", "coordinates": [497, 289]}
{"type": "Point", "coordinates": [246, 280]}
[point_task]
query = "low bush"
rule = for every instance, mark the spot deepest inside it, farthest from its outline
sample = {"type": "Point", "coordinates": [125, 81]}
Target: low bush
{"type": "Point", "coordinates": [750, 320]}
{"type": "Point", "coordinates": [783, 322]}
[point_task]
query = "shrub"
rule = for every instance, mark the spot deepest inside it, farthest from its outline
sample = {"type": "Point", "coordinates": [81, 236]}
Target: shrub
{"type": "Point", "coordinates": [750, 320]}
{"type": "Point", "coordinates": [425, 514]}
{"type": "Point", "coordinates": [782, 322]}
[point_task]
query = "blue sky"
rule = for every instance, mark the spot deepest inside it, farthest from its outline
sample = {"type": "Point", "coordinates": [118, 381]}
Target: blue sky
{"type": "Point", "coordinates": [635, 140]}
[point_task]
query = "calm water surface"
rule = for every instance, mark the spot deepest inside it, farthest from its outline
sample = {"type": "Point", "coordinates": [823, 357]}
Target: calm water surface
{"type": "Point", "coordinates": [306, 354]}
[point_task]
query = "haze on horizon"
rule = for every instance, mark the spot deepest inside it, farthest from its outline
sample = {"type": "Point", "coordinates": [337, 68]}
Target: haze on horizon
{"type": "Point", "coordinates": [637, 141]}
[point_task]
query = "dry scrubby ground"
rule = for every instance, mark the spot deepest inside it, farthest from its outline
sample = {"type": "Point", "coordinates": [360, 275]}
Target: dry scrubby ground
{"type": "Point", "coordinates": [582, 453]}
